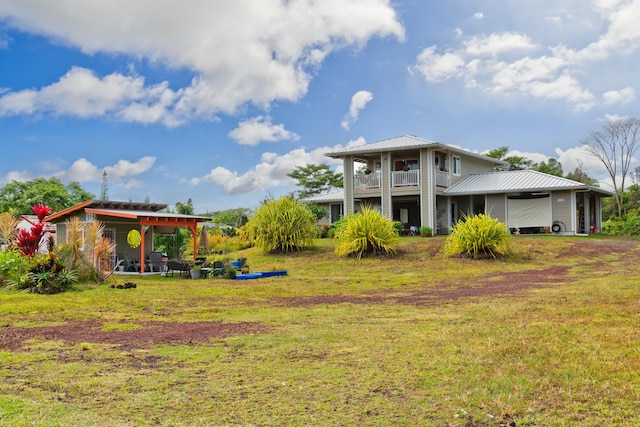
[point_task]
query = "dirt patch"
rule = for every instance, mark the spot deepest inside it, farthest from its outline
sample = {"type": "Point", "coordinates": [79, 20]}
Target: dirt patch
{"type": "Point", "coordinates": [595, 249]}
{"type": "Point", "coordinates": [504, 284]}
{"type": "Point", "coordinates": [148, 334]}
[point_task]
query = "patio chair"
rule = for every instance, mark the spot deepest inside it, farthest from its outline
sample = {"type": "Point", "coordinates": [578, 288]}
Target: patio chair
{"type": "Point", "coordinates": [155, 261]}
{"type": "Point", "coordinates": [130, 264]}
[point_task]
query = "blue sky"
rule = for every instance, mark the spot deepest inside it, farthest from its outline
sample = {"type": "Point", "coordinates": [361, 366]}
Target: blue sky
{"type": "Point", "coordinates": [217, 101]}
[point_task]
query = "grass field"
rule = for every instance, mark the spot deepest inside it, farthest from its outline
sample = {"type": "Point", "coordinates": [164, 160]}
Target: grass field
{"type": "Point", "coordinates": [548, 338]}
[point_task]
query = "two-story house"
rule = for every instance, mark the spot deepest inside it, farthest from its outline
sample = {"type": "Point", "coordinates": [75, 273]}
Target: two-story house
{"type": "Point", "coordinates": [424, 183]}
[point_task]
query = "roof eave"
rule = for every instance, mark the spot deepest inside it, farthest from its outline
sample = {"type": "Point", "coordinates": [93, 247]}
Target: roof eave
{"type": "Point", "coordinates": [68, 211]}
{"type": "Point", "coordinates": [111, 213]}
{"type": "Point", "coordinates": [530, 190]}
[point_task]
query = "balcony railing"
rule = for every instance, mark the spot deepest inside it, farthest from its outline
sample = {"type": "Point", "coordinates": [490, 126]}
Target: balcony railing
{"type": "Point", "coordinates": [405, 178]}
{"type": "Point", "coordinates": [442, 179]}
{"type": "Point", "coordinates": [363, 182]}
{"type": "Point", "coordinates": [409, 178]}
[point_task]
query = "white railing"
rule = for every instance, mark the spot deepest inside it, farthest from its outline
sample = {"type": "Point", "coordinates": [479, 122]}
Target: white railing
{"type": "Point", "coordinates": [405, 178]}
{"type": "Point", "coordinates": [398, 179]}
{"type": "Point", "coordinates": [442, 179]}
{"type": "Point", "coordinates": [371, 180]}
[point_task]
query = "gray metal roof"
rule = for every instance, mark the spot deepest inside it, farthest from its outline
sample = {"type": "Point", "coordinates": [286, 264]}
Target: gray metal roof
{"type": "Point", "coordinates": [392, 144]}
{"type": "Point", "coordinates": [332, 196]}
{"type": "Point", "coordinates": [515, 181]}
{"type": "Point", "coordinates": [405, 142]}
{"type": "Point", "coordinates": [123, 213]}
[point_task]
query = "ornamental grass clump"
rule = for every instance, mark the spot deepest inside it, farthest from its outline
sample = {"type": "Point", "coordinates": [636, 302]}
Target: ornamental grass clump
{"type": "Point", "coordinates": [478, 236]}
{"type": "Point", "coordinates": [366, 233]}
{"type": "Point", "coordinates": [283, 225]}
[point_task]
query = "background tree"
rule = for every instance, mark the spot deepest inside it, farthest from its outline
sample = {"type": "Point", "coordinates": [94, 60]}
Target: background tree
{"type": "Point", "coordinates": [185, 208]}
{"type": "Point", "coordinates": [580, 175]}
{"type": "Point", "coordinates": [315, 179]}
{"type": "Point", "coordinates": [104, 190]}
{"type": "Point", "coordinates": [236, 217]}
{"type": "Point", "coordinates": [615, 146]}
{"type": "Point", "coordinates": [20, 197]}
{"type": "Point", "coordinates": [515, 162]}
{"type": "Point", "coordinates": [551, 167]}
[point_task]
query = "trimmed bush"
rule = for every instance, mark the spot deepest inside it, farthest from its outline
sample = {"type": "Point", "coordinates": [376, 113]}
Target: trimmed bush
{"type": "Point", "coordinates": [426, 231]}
{"type": "Point", "coordinates": [478, 236]}
{"type": "Point", "coordinates": [283, 225]}
{"type": "Point", "coordinates": [366, 233]}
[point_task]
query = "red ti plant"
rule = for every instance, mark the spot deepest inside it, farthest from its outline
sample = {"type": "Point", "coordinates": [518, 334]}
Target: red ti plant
{"type": "Point", "coordinates": [28, 241]}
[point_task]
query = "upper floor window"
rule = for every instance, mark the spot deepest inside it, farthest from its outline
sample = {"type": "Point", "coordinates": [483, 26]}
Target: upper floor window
{"type": "Point", "coordinates": [457, 165]}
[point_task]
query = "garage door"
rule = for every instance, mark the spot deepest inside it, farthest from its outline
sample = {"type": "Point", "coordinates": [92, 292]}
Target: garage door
{"type": "Point", "coordinates": [529, 212]}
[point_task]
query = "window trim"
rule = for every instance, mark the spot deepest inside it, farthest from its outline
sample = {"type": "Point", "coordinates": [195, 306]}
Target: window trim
{"type": "Point", "coordinates": [456, 167]}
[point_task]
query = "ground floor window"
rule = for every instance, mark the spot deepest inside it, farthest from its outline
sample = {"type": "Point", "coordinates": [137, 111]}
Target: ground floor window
{"type": "Point", "coordinates": [336, 212]}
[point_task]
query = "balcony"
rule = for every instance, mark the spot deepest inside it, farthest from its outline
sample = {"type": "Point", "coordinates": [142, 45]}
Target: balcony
{"type": "Point", "coordinates": [408, 178]}
{"type": "Point", "coordinates": [364, 182]}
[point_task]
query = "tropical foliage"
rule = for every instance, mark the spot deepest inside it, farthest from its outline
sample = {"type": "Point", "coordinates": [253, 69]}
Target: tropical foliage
{"type": "Point", "coordinates": [29, 240]}
{"type": "Point", "coordinates": [478, 236]}
{"type": "Point", "coordinates": [34, 263]}
{"type": "Point", "coordinates": [365, 233]}
{"type": "Point", "coordinates": [219, 240]}
{"type": "Point", "coordinates": [629, 225]}
{"type": "Point", "coordinates": [283, 225]}
{"type": "Point", "coordinates": [8, 229]}
{"type": "Point", "coordinates": [37, 273]}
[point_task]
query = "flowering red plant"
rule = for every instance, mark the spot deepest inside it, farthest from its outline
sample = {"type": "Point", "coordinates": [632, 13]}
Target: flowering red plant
{"type": "Point", "coordinates": [28, 241]}
{"type": "Point", "coordinates": [41, 211]}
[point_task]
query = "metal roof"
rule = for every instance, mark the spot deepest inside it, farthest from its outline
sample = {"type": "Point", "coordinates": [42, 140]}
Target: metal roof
{"type": "Point", "coordinates": [118, 209]}
{"type": "Point", "coordinates": [392, 144]}
{"type": "Point", "coordinates": [405, 142]}
{"type": "Point", "coordinates": [515, 181]}
{"type": "Point", "coordinates": [332, 196]}
{"type": "Point", "coordinates": [123, 213]}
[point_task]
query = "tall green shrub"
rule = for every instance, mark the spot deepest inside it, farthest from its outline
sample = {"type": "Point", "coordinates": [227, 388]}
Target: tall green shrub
{"type": "Point", "coordinates": [628, 225]}
{"type": "Point", "coordinates": [478, 236]}
{"type": "Point", "coordinates": [366, 233]}
{"type": "Point", "coordinates": [283, 225]}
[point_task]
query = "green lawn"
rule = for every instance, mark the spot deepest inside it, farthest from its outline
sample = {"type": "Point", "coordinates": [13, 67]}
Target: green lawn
{"type": "Point", "coordinates": [549, 338]}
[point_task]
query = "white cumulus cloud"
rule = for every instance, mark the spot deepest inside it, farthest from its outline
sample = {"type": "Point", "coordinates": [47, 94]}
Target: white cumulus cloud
{"type": "Point", "coordinates": [621, 96]}
{"type": "Point", "coordinates": [581, 157]}
{"type": "Point", "coordinates": [358, 101]}
{"type": "Point", "coordinates": [121, 174]}
{"type": "Point", "coordinates": [510, 62]}
{"type": "Point", "coordinates": [239, 52]}
{"type": "Point", "coordinates": [496, 44]}
{"type": "Point", "coordinates": [270, 172]}
{"type": "Point", "coordinates": [259, 129]}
